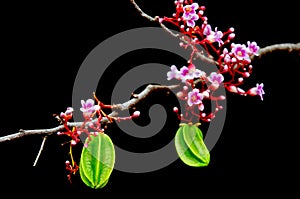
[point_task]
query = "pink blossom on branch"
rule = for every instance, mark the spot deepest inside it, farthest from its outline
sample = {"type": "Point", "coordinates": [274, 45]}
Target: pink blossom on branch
{"type": "Point", "coordinates": [232, 60]}
{"type": "Point", "coordinates": [174, 73]}
{"type": "Point", "coordinates": [253, 48]}
{"type": "Point", "coordinates": [68, 114]}
{"type": "Point", "coordinates": [190, 15]}
{"type": "Point", "coordinates": [194, 97]}
{"type": "Point", "coordinates": [88, 107]}
{"type": "Point", "coordinates": [213, 36]}
{"type": "Point", "coordinates": [215, 79]}
{"type": "Point", "coordinates": [258, 90]}
{"type": "Point", "coordinates": [240, 51]}
{"type": "Point", "coordinates": [190, 73]}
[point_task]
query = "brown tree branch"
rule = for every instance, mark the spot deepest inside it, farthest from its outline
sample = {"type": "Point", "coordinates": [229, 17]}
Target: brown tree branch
{"type": "Point", "coordinates": [143, 14]}
{"type": "Point", "coordinates": [289, 47]}
{"type": "Point", "coordinates": [116, 108]}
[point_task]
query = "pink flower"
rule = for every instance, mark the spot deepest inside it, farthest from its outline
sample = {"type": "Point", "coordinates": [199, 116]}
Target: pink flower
{"type": "Point", "coordinates": [189, 10]}
{"type": "Point", "coordinates": [190, 15]}
{"type": "Point", "coordinates": [240, 51]}
{"type": "Point", "coordinates": [191, 22]}
{"type": "Point", "coordinates": [216, 79]}
{"type": "Point", "coordinates": [88, 107]}
{"type": "Point", "coordinates": [174, 73]}
{"type": "Point", "coordinates": [189, 73]}
{"type": "Point", "coordinates": [67, 114]}
{"type": "Point", "coordinates": [207, 29]}
{"type": "Point", "coordinates": [69, 111]}
{"type": "Point", "coordinates": [258, 90]}
{"type": "Point", "coordinates": [194, 97]}
{"type": "Point", "coordinates": [213, 36]}
{"type": "Point", "coordinates": [253, 48]}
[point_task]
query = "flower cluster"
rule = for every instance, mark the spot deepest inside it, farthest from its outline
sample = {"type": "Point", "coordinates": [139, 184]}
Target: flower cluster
{"type": "Point", "coordinates": [233, 60]}
{"type": "Point", "coordinates": [93, 117]}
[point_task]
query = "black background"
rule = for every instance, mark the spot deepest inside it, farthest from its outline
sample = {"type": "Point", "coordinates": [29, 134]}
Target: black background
{"type": "Point", "coordinates": [43, 45]}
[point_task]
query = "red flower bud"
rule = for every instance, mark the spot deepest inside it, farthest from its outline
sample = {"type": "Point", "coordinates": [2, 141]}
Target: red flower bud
{"type": "Point", "coordinates": [232, 89]}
